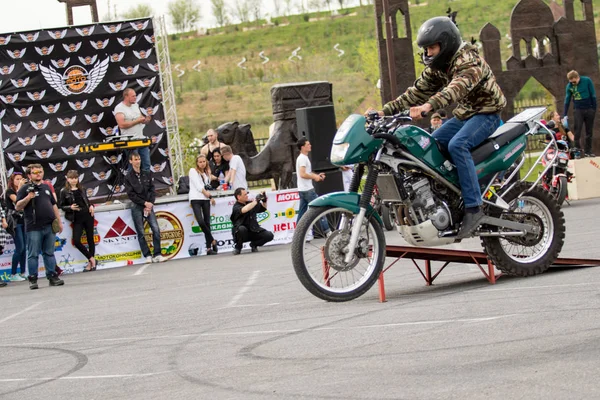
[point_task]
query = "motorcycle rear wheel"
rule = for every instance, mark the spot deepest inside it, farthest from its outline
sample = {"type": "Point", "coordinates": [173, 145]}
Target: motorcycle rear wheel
{"type": "Point", "coordinates": [318, 258]}
{"type": "Point", "coordinates": [528, 259]}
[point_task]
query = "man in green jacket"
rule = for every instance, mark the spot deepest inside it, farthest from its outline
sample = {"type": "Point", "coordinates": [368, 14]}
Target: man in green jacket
{"type": "Point", "coordinates": [581, 90]}
{"type": "Point", "coordinates": [455, 73]}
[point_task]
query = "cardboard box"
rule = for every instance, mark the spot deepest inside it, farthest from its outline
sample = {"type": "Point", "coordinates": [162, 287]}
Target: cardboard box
{"type": "Point", "coordinates": [586, 183]}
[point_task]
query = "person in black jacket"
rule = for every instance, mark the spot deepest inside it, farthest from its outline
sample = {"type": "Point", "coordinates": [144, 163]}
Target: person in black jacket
{"type": "Point", "coordinates": [218, 168]}
{"type": "Point", "coordinates": [74, 202]}
{"type": "Point", "coordinates": [245, 225]}
{"type": "Point", "coordinates": [139, 185]}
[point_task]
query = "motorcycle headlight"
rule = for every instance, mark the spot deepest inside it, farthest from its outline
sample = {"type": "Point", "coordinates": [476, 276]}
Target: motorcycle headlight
{"type": "Point", "coordinates": [338, 152]}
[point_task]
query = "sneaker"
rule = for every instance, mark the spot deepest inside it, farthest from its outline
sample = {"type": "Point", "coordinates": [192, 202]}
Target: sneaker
{"type": "Point", "coordinates": [470, 222]}
{"type": "Point", "coordinates": [16, 278]}
{"type": "Point", "coordinates": [148, 259]}
{"type": "Point", "coordinates": [159, 259]}
{"type": "Point", "coordinates": [236, 252]}
{"type": "Point", "coordinates": [254, 249]}
{"type": "Point", "coordinates": [55, 280]}
{"type": "Point", "coordinates": [210, 252]}
{"type": "Point", "coordinates": [23, 276]}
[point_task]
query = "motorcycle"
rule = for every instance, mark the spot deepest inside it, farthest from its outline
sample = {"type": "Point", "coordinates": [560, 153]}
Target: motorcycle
{"type": "Point", "coordinates": [556, 179]}
{"type": "Point", "coordinates": [522, 232]}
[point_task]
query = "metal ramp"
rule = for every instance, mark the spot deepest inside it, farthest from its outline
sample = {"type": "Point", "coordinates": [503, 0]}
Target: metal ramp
{"type": "Point", "coordinates": [446, 257]}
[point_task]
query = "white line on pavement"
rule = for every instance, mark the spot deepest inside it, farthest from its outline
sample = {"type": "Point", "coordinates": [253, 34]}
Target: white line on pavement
{"type": "Point", "coordinates": [141, 270]}
{"type": "Point", "coordinates": [283, 331]}
{"type": "Point", "coordinates": [72, 378]}
{"type": "Point", "coordinates": [20, 312]}
{"type": "Point", "coordinates": [244, 289]}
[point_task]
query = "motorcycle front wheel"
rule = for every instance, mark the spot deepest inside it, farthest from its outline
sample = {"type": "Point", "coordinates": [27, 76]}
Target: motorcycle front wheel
{"type": "Point", "coordinates": [318, 252]}
{"type": "Point", "coordinates": [560, 191]}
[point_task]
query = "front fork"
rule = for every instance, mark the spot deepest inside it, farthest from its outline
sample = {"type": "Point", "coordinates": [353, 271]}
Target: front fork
{"type": "Point", "coordinates": [365, 201]}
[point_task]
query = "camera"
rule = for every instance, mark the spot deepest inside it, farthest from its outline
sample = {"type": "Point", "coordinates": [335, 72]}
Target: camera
{"type": "Point", "coordinates": [208, 187]}
{"type": "Point", "coordinates": [32, 188]}
{"type": "Point", "coordinates": [261, 197]}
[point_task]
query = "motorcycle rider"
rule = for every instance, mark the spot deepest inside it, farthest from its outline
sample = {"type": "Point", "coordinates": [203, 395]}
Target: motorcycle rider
{"type": "Point", "coordinates": [455, 73]}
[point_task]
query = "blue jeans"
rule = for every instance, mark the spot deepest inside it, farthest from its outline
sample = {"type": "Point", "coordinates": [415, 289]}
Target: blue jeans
{"type": "Point", "coordinates": [41, 241]}
{"type": "Point", "coordinates": [459, 137]}
{"type": "Point", "coordinates": [305, 198]}
{"type": "Point", "coordinates": [144, 153]}
{"type": "Point", "coordinates": [137, 213]}
{"type": "Point", "coordinates": [20, 254]}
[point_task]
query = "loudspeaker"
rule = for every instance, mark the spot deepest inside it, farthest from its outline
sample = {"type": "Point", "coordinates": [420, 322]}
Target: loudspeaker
{"type": "Point", "coordinates": [318, 125]}
{"type": "Point", "coordinates": [333, 182]}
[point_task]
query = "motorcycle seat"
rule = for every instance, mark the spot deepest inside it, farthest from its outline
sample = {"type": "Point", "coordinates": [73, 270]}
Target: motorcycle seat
{"type": "Point", "coordinates": [502, 136]}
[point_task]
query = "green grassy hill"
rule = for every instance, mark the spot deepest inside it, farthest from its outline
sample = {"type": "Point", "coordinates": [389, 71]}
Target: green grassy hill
{"type": "Point", "coordinates": [223, 92]}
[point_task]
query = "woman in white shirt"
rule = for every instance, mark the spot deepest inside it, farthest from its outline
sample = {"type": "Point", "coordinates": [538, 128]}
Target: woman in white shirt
{"type": "Point", "coordinates": [201, 199]}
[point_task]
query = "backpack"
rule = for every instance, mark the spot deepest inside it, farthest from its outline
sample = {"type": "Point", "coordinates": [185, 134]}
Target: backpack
{"type": "Point", "coordinates": [183, 185]}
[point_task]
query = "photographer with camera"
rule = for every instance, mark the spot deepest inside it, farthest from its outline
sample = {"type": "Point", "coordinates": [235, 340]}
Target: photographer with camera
{"type": "Point", "coordinates": [245, 225]}
{"type": "Point", "coordinates": [201, 199]}
{"type": "Point", "coordinates": [42, 222]}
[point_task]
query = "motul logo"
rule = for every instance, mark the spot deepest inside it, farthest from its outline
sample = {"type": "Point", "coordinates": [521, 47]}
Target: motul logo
{"type": "Point", "coordinates": [288, 197]}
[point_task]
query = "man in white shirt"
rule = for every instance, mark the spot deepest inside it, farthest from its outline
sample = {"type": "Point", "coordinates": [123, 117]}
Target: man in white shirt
{"type": "Point", "coordinates": [131, 123]}
{"type": "Point", "coordinates": [236, 177]}
{"type": "Point", "coordinates": [305, 176]}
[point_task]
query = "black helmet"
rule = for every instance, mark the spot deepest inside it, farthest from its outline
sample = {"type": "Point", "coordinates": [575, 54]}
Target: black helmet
{"type": "Point", "coordinates": [443, 31]}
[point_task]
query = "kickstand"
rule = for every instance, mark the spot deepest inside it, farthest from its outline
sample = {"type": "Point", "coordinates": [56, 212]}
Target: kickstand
{"type": "Point", "coordinates": [568, 202]}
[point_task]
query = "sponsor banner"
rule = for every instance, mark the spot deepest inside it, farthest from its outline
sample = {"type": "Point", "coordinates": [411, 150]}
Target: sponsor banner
{"type": "Point", "coordinates": [117, 241]}
{"type": "Point", "coordinates": [58, 91]}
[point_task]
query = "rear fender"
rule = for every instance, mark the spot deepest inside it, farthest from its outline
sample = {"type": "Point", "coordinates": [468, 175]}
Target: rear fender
{"type": "Point", "coordinates": [346, 200]}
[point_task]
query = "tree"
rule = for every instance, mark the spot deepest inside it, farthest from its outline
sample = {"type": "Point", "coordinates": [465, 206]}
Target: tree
{"type": "Point", "coordinates": [276, 8]}
{"type": "Point", "coordinates": [185, 14]}
{"type": "Point", "coordinates": [242, 10]}
{"type": "Point", "coordinates": [219, 12]}
{"type": "Point", "coordinates": [139, 11]}
{"type": "Point", "coordinates": [255, 8]}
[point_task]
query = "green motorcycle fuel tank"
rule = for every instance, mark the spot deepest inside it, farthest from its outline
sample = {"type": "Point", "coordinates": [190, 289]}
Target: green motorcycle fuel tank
{"type": "Point", "coordinates": [352, 144]}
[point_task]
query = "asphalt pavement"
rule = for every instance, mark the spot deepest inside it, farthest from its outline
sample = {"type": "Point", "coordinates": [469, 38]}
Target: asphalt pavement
{"type": "Point", "coordinates": [243, 327]}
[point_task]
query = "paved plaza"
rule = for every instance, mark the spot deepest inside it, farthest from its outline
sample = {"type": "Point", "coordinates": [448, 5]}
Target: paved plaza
{"type": "Point", "coordinates": [243, 327]}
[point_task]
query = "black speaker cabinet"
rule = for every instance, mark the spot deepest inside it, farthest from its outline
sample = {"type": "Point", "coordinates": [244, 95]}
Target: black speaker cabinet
{"type": "Point", "coordinates": [318, 125]}
{"type": "Point", "coordinates": [332, 183]}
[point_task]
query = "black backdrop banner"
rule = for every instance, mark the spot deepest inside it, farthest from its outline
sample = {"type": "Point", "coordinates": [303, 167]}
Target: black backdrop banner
{"type": "Point", "coordinates": [58, 90]}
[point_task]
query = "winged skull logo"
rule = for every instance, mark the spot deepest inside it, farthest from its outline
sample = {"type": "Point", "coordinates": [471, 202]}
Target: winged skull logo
{"type": "Point", "coordinates": [99, 45]}
{"type": "Point", "coordinates": [30, 37]}
{"type": "Point", "coordinates": [16, 157]}
{"type": "Point", "coordinates": [28, 141]}
{"type": "Point", "coordinates": [10, 98]}
{"type": "Point", "coordinates": [23, 112]}
{"type": "Point", "coordinates": [67, 121]}
{"type": "Point", "coordinates": [130, 70]}
{"type": "Point", "coordinates": [126, 42]}
{"type": "Point", "coordinates": [82, 134]}
{"type": "Point", "coordinates": [140, 25]}
{"type": "Point", "coordinates": [102, 175]}
{"type": "Point", "coordinates": [19, 83]}
{"type": "Point", "coordinates": [95, 118]}
{"type": "Point", "coordinates": [78, 105]}
{"type": "Point", "coordinates": [7, 69]}
{"type": "Point", "coordinates": [72, 48]}
{"type": "Point", "coordinates": [86, 163]}
{"type": "Point", "coordinates": [51, 109]}
{"type": "Point", "coordinates": [31, 67]}
{"type": "Point", "coordinates": [61, 63]}
{"type": "Point", "coordinates": [39, 125]}
{"type": "Point", "coordinates": [4, 40]}
{"type": "Point", "coordinates": [76, 79]}
{"type": "Point", "coordinates": [87, 31]}
{"type": "Point", "coordinates": [105, 102]}
{"type": "Point", "coordinates": [159, 167]}
{"type": "Point", "coordinates": [150, 111]}
{"type": "Point", "coordinates": [44, 51]}
{"type": "Point", "coordinates": [118, 86]}
{"type": "Point", "coordinates": [88, 60]}
{"type": "Point", "coordinates": [58, 167]}
{"type": "Point", "coordinates": [36, 96]}
{"type": "Point", "coordinates": [142, 54]}
{"type": "Point", "coordinates": [43, 154]}
{"type": "Point", "coordinates": [153, 67]}
{"type": "Point", "coordinates": [71, 150]}
{"type": "Point", "coordinates": [147, 82]}
{"type": "Point", "coordinates": [117, 57]}
{"type": "Point", "coordinates": [58, 34]}
{"type": "Point", "coordinates": [12, 128]}
{"type": "Point", "coordinates": [55, 137]}
{"type": "Point", "coordinates": [16, 54]}
{"type": "Point", "coordinates": [112, 28]}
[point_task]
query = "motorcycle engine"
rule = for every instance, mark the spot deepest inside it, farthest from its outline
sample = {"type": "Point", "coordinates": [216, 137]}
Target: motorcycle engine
{"type": "Point", "coordinates": [424, 204]}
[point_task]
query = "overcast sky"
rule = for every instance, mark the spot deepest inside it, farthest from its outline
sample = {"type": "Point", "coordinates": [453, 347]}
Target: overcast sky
{"type": "Point", "coordinates": [22, 15]}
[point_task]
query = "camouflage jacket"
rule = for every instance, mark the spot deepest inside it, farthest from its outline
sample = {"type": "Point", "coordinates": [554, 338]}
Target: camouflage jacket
{"type": "Point", "coordinates": [469, 82]}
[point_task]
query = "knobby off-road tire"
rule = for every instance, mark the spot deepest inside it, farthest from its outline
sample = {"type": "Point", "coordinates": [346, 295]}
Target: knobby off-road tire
{"type": "Point", "coordinates": [553, 235]}
{"type": "Point", "coordinates": [311, 276]}
{"type": "Point", "coordinates": [561, 190]}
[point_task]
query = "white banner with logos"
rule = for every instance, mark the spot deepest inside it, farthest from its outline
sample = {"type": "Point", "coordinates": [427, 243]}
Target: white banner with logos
{"type": "Point", "coordinates": [117, 244]}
